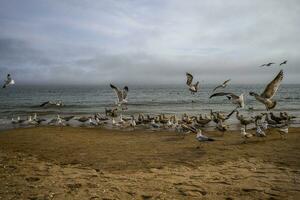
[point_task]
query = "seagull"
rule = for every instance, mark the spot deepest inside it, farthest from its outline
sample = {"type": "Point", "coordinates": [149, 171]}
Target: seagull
{"type": "Point", "coordinates": [268, 120]}
{"type": "Point", "coordinates": [83, 119]}
{"type": "Point", "coordinates": [282, 129]}
{"type": "Point", "coordinates": [192, 87]}
{"type": "Point", "coordinates": [234, 98]}
{"type": "Point", "coordinates": [121, 94]}
{"type": "Point", "coordinates": [91, 122]}
{"type": "Point", "coordinates": [245, 135]}
{"type": "Point", "coordinates": [51, 103]}
{"type": "Point", "coordinates": [259, 132]}
{"type": "Point", "coordinates": [276, 118]}
{"type": "Point", "coordinates": [57, 121]}
{"type": "Point", "coordinates": [203, 138]}
{"type": "Point", "coordinates": [267, 64]}
{"type": "Point", "coordinates": [68, 118]}
{"type": "Point", "coordinates": [223, 85]}
{"type": "Point", "coordinates": [243, 120]}
{"type": "Point", "coordinates": [153, 124]}
{"type": "Point", "coordinates": [8, 81]}
{"type": "Point", "coordinates": [283, 63]}
{"type": "Point", "coordinates": [269, 93]}
{"type": "Point", "coordinates": [38, 120]}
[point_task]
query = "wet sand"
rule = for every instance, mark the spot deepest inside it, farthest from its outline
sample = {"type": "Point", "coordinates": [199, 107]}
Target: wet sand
{"type": "Point", "coordinates": [83, 163]}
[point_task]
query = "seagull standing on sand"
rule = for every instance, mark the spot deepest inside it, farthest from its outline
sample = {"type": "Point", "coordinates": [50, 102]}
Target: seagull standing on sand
{"type": "Point", "coordinates": [8, 81]}
{"type": "Point", "coordinates": [234, 98]}
{"type": "Point", "coordinates": [121, 94]}
{"type": "Point", "coordinates": [269, 93]}
{"type": "Point", "coordinates": [259, 132]}
{"type": "Point", "coordinates": [223, 85]}
{"type": "Point", "coordinates": [192, 87]}
{"type": "Point", "coordinates": [245, 135]}
{"type": "Point", "coordinates": [203, 138]}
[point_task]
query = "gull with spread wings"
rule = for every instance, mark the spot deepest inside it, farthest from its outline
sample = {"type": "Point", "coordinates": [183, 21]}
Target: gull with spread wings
{"type": "Point", "coordinates": [121, 94]}
{"type": "Point", "coordinates": [283, 63]}
{"type": "Point", "coordinates": [234, 98]}
{"type": "Point", "coordinates": [269, 92]}
{"type": "Point", "coordinates": [8, 81]}
{"type": "Point", "coordinates": [223, 85]}
{"type": "Point", "coordinates": [192, 87]}
{"type": "Point", "coordinates": [267, 64]}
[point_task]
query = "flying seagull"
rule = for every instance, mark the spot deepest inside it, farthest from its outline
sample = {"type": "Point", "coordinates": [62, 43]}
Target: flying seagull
{"type": "Point", "coordinates": [189, 81]}
{"type": "Point", "coordinates": [121, 94]}
{"type": "Point", "coordinates": [267, 64]}
{"type": "Point", "coordinates": [234, 98]}
{"type": "Point", "coordinates": [269, 93]}
{"type": "Point", "coordinates": [283, 63]}
{"type": "Point", "coordinates": [223, 85]}
{"type": "Point", "coordinates": [8, 81]}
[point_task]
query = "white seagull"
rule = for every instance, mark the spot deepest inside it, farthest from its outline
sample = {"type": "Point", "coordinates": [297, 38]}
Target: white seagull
{"type": "Point", "coordinates": [121, 94]}
{"type": "Point", "coordinates": [8, 81]}
{"type": "Point", "coordinates": [269, 93]}
{"type": "Point", "coordinates": [203, 138]}
{"type": "Point", "coordinates": [234, 98]}
{"type": "Point", "coordinates": [192, 87]}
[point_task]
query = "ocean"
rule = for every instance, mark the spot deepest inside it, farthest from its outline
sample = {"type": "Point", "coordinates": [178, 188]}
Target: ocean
{"type": "Point", "coordinates": [22, 101]}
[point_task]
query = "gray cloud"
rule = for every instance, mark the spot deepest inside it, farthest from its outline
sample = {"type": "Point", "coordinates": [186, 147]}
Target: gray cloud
{"type": "Point", "coordinates": [142, 42]}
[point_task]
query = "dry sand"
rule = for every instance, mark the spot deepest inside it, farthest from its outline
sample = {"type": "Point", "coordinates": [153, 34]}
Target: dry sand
{"type": "Point", "coordinates": [82, 163]}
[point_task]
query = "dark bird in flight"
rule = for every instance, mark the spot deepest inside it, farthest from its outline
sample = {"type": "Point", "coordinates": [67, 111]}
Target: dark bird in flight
{"type": "Point", "coordinates": [283, 63]}
{"type": "Point", "coordinates": [269, 92]}
{"type": "Point", "coordinates": [267, 64]}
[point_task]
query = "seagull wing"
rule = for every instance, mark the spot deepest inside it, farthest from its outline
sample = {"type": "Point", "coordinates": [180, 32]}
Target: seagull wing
{"type": "Point", "coordinates": [231, 95]}
{"type": "Point", "coordinates": [125, 92]}
{"type": "Point", "coordinates": [189, 79]}
{"type": "Point", "coordinates": [225, 82]}
{"type": "Point", "coordinates": [229, 115]}
{"type": "Point", "coordinates": [219, 86]}
{"type": "Point", "coordinates": [273, 86]}
{"type": "Point", "coordinates": [43, 104]}
{"type": "Point", "coordinates": [119, 93]}
{"type": "Point", "coordinates": [192, 129]}
{"type": "Point", "coordinates": [284, 62]}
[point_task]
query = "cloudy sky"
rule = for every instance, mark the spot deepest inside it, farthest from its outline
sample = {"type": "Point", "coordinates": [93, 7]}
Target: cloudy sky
{"type": "Point", "coordinates": [148, 42]}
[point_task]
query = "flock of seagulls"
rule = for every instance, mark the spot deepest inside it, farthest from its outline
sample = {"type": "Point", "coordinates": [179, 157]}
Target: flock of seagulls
{"type": "Point", "coordinates": [271, 63]}
{"type": "Point", "coordinates": [185, 124]}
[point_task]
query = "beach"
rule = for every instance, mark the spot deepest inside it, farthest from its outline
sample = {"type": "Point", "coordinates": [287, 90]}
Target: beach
{"type": "Point", "coordinates": [94, 163]}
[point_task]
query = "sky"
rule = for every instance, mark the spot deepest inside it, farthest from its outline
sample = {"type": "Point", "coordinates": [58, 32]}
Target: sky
{"type": "Point", "coordinates": [148, 42]}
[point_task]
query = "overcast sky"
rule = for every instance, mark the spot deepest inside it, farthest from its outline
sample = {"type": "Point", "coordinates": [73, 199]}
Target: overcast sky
{"type": "Point", "coordinates": [144, 42]}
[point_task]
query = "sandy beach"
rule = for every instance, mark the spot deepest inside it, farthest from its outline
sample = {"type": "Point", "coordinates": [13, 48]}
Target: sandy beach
{"type": "Point", "coordinates": [83, 163]}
